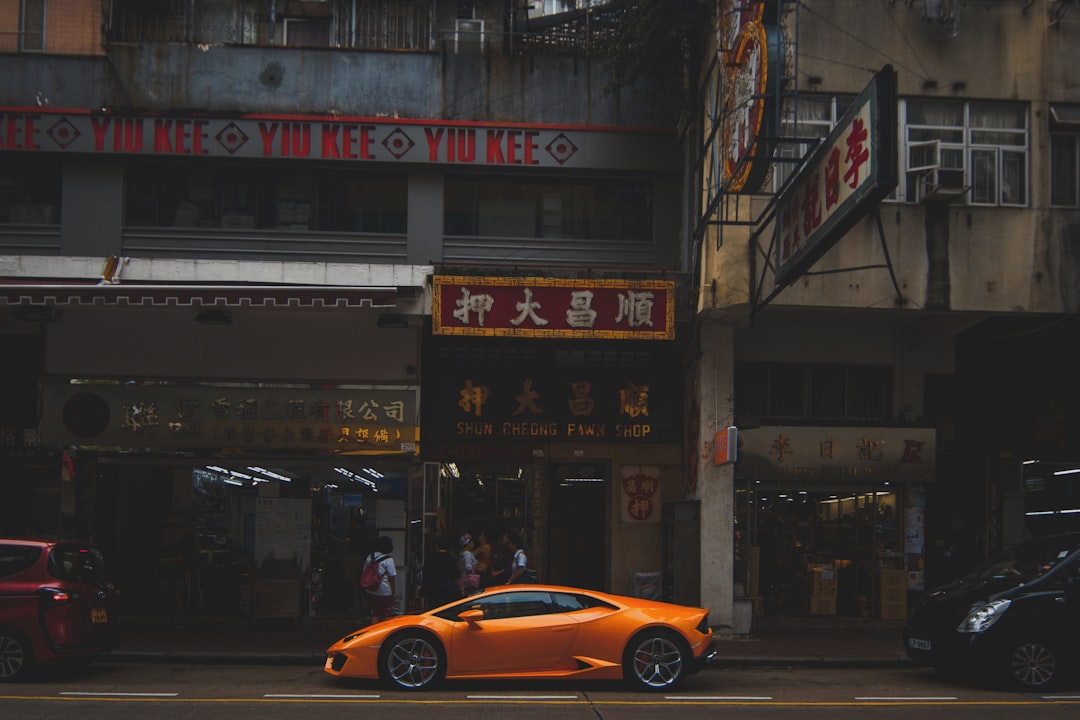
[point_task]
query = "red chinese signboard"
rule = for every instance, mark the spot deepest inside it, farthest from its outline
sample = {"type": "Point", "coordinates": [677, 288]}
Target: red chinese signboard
{"type": "Point", "coordinates": [554, 308]}
{"type": "Point", "coordinates": [850, 171]}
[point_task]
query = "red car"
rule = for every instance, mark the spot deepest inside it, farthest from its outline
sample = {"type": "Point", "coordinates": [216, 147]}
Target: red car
{"type": "Point", "coordinates": [55, 604]}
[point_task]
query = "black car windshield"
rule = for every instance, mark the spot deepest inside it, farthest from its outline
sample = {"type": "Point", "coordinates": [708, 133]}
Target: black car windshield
{"type": "Point", "coordinates": [1029, 560]}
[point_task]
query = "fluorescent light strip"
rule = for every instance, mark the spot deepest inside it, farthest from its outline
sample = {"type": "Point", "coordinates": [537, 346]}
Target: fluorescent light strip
{"type": "Point", "coordinates": [1067, 472]}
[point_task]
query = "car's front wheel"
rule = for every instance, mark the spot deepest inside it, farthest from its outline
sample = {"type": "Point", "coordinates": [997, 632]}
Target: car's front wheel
{"type": "Point", "coordinates": [655, 660]}
{"type": "Point", "coordinates": [16, 656]}
{"type": "Point", "coordinates": [412, 661]}
{"type": "Point", "coordinates": [1034, 665]}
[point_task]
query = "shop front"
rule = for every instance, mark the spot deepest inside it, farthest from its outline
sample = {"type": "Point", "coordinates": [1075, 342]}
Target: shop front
{"type": "Point", "coordinates": [568, 433]}
{"type": "Point", "coordinates": [235, 499]}
{"type": "Point", "coordinates": [830, 520]}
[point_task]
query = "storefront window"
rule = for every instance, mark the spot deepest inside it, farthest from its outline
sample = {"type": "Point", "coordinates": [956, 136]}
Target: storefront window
{"type": "Point", "coordinates": [284, 199]}
{"type": "Point", "coordinates": [30, 190]}
{"type": "Point", "coordinates": [824, 552]}
{"type": "Point", "coordinates": [603, 209]}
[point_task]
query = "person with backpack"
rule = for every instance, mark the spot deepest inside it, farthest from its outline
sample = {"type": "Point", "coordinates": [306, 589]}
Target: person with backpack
{"type": "Point", "coordinates": [377, 579]}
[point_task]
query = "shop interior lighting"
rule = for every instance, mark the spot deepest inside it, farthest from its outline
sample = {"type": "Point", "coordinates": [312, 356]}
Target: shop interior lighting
{"type": "Point", "coordinates": [373, 473]}
{"type": "Point", "coordinates": [356, 478]}
{"type": "Point", "coordinates": [452, 468]}
{"type": "Point", "coordinates": [1067, 472]}
{"type": "Point", "coordinates": [269, 473]}
{"type": "Point", "coordinates": [229, 481]}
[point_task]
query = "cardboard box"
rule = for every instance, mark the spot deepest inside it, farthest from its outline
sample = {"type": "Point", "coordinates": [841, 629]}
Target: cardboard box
{"type": "Point", "coordinates": [822, 581]}
{"type": "Point", "coordinates": [894, 611]}
{"type": "Point", "coordinates": [823, 605]}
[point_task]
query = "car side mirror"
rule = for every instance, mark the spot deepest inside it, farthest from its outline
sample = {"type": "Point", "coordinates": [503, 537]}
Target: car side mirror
{"type": "Point", "coordinates": [473, 615]}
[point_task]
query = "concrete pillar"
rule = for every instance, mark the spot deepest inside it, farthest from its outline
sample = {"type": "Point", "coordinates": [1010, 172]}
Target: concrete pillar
{"type": "Point", "coordinates": [715, 486]}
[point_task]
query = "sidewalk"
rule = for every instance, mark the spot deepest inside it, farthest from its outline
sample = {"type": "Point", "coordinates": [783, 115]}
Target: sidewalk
{"type": "Point", "coordinates": [832, 642]}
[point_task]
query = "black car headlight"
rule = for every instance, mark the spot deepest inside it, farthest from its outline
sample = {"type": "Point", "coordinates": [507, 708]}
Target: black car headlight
{"type": "Point", "coordinates": [984, 616]}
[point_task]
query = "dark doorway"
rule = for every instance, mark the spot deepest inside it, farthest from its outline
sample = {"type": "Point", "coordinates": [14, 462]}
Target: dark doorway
{"type": "Point", "coordinates": [577, 530]}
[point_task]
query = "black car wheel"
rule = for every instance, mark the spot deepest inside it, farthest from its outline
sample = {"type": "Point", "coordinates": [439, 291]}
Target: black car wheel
{"type": "Point", "coordinates": [655, 660]}
{"type": "Point", "coordinates": [1034, 665]}
{"type": "Point", "coordinates": [16, 657]}
{"type": "Point", "coordinates": [412, 661]}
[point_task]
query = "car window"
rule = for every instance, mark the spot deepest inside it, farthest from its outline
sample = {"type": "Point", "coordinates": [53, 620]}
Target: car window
{"type": "Point", "coordinates": [510, 604]}
{"type": "Point", "coordinates": [1030, 560]}
{"type": "Point", "coordinates": [16, 558]}
{"type": "Point", "coordinates": [77, 562]}
{"type": "Point", "coordinates": [570, 602]}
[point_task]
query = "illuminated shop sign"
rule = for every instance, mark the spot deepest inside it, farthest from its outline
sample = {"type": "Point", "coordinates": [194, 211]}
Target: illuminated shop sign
{"type": "Point", "coordinates": [159, 416]}
{"type": "Point", "coordinates": [336, 139]}
{"type": "Point", "coordinates": [850, 171]}
{"type": "Point", "coordinates": [553, 308]}
{"type": "Point", "coordinates": [546, 404]}
{"type": "Point", "coordinates": [837, 454]}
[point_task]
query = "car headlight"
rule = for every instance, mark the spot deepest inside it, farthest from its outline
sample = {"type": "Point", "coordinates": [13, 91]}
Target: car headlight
{"type": "Point", "coordinates": [982, 617]}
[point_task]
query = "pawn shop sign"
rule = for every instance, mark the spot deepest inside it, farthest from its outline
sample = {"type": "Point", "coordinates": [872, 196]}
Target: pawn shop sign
{"type": "Point", "coordinates": [726, 446]}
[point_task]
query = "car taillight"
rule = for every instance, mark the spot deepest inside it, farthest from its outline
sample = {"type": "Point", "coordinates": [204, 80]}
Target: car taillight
{"type": "Point", "coordinates": [56, 596]}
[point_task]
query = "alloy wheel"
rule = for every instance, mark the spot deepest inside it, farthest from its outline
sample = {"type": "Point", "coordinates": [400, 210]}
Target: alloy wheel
{"type": "Point", "coordinates": [1033, 665]}
{"type": "Point", "coordinates": [657, 661]}
{"type": "Point", "coordinates": [413, 662]}
{"type": "Point", "coordinates": [14, 656]}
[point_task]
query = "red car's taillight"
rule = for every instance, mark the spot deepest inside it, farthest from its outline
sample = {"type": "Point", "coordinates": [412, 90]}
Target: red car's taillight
{"type": "Point", "coordinates": [56, 596]}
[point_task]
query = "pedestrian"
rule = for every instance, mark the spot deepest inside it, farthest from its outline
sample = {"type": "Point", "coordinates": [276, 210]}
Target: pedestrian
{"type": "Point", "coordinates": [519, 563]}
{"type": "Point", "coordinates": [469, 580]}
{"type": "Point", "coordinates": [482, 551]}
{"type": "Point", "coordinates": [439, 582]}
{"type": "Point", "coordinates": [380, 599]}
{"type": "Point", "coordinates": [499, 568]}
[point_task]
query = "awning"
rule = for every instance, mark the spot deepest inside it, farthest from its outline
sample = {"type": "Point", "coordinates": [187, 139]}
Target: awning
{"type": "Point", "coordinates": [1062, 114]}
{"type": "Point", "coordinates": [37, 293]}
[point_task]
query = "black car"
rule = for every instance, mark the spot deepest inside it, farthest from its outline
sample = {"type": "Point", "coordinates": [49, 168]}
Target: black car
{"type": "Point", "coordinates": [1015, 620]}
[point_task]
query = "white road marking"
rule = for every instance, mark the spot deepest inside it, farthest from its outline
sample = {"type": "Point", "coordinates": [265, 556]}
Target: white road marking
{"type": "Point", "coordinates": [323, 697]}
{"type": "Point", "coordinates": [904, 699]}
{"type": "Point", "coordinates": [719, 698]}
{"type": "Point", "coordinates": [120, 694]}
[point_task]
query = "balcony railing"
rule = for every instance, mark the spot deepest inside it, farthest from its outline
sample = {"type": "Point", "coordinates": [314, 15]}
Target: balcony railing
{"type": "Point", "coordinates": [400, 25]}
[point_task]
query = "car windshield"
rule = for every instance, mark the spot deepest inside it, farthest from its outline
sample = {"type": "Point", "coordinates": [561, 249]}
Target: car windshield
{"type": "Point", "coordinates": [77, 562]}
{"type": "Point", "coordinates": [1028, 561]}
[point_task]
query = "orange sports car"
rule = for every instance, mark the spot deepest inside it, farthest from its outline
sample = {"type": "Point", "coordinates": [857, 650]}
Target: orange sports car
{"type": "Point", "coordinates": [532, 631]}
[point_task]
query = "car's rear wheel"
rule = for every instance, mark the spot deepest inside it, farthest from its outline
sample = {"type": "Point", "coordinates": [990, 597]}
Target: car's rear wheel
{"type": "Point", "coordinates": [655, 660]}
{"type": "Point", "coordinates": [1034, 665]}
{"type": "Point", "coordinates": [16, 656]}
{"type": "Point", "coordinates": [412, 661]}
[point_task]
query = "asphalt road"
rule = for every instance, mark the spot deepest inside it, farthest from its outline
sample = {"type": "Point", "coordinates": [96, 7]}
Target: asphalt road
{"type": "Point", "coordinates": [120, 691]}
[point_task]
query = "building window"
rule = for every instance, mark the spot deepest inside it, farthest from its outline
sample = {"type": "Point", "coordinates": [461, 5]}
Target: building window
{"type": "Point", "coordinates": [281, 199]}
{"type": "Point", "coordinates": [983, 145]}
{"type": "Point", "coordinates": [1065, 155]}
{"type": "Point", "coordinates": [604, 209]}
{"type": "Point", "coordinates": [779, 392]}
{"type": "Point", "coordinates": [809, 119]}
{"type": "Point", "coordinates": [30, 190]}
{"type": "Point", "coordinates": [32, 25]}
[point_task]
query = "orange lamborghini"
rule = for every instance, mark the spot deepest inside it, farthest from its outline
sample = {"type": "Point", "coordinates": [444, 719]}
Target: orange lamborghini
{"type": "Point", "coordinates": [531, 631]}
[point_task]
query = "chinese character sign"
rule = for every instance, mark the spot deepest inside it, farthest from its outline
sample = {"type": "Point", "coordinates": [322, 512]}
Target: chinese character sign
{"type": "Point", "coordinates": [849, 172]}
{"type": "Point", "coordinates": [641, 493]}
{"type": "Point", "coordinates": [553, 307]}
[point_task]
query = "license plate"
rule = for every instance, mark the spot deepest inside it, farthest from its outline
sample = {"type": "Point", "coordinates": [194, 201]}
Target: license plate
{"type": "Point", "coordinates": [98, 615]}
{"type": "Point", "coordinates": [918, 644]}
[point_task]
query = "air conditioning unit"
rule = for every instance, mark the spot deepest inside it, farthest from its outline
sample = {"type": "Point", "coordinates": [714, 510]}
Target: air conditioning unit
{"type": "Point", "coordinates": [469, 36]}
{"type": "Point", "coordinates": [935, 185]}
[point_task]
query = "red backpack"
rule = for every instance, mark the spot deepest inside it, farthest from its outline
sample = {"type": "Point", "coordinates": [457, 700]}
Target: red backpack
{"type": "Point", "coordinates": [371, 577]}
